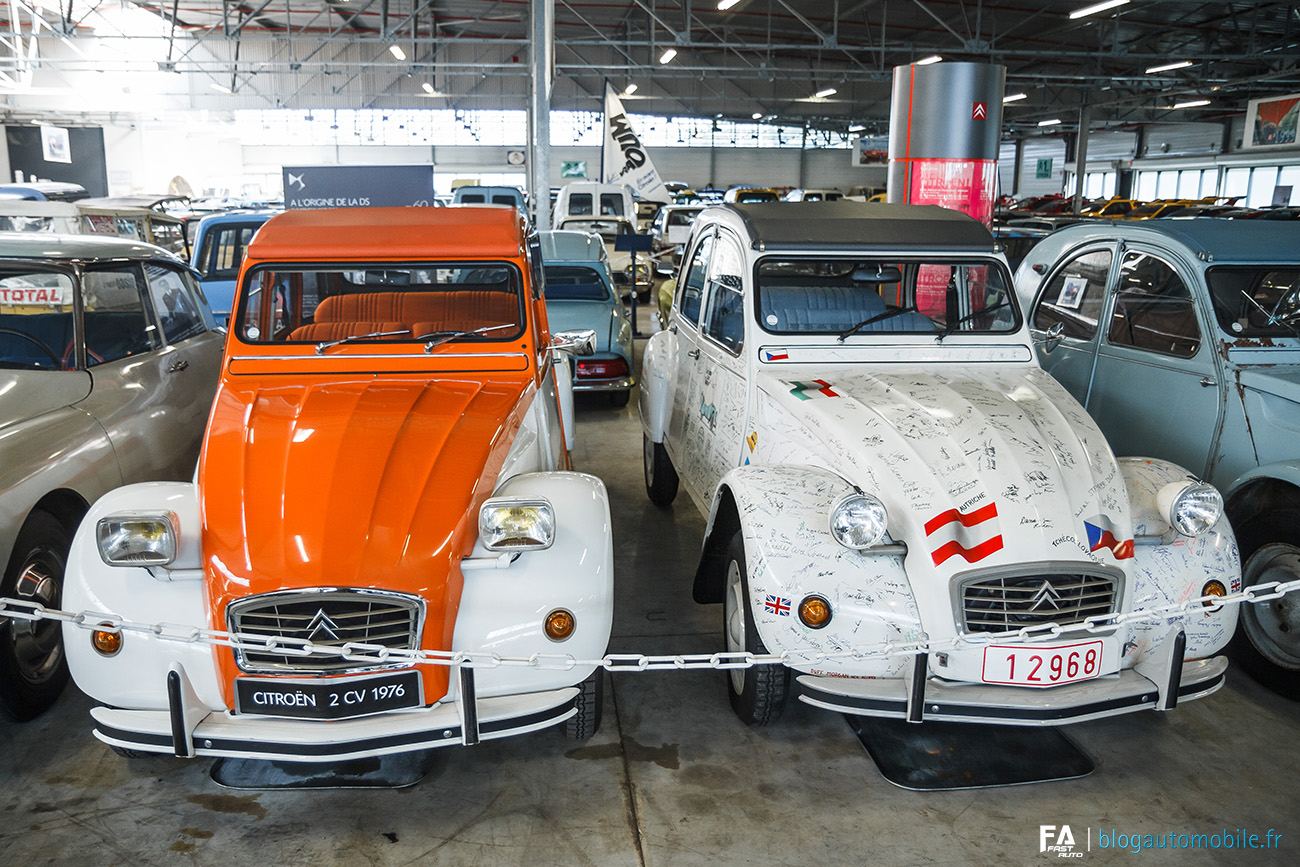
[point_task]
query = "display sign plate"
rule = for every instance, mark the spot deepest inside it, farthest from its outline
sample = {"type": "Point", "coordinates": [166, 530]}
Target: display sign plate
{"type": "Point", "coordinates": [1038, 665]}
{"type": "Point", "coordinates": [327, 697]}
{"type": "Point", "coordinates": [357, 186]}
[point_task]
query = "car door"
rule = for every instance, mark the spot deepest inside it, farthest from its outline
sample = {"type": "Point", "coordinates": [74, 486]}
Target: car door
{"type": "Point", "coordinates": [1155, 389]}
{"type": "Point", "coordinates": [716, 419]}
{"type": "Point", "coordinates": [190, 360]}
{"type": "Point", "coordinates": [685, 324]}
{"type": "Point", "coordinates": [1073, 298]}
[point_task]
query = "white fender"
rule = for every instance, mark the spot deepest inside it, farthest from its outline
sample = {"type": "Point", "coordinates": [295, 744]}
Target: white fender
{"type": "Point", "coordinates": [658, 379]}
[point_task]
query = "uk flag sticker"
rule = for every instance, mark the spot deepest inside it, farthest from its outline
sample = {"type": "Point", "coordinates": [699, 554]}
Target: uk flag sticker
{"type": "Point", "coordinates": [778, 605]}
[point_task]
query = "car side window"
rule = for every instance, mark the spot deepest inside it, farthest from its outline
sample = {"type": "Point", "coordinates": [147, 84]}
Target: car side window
{"type": "Point", "coordinates": [117, 321]}
{"type": "Point", "coordinates": [725, 321]}
{"type": "Point", "coordinates": [691, 289]}
{"type": "Point", "coordinates": [1153, 309]}
{"type": "Point", "coordinates": [1075, 295]}
{"type": "Point", "coordinates": [580, 204]}
{"type": "Point", "coordinates": [175, 303]}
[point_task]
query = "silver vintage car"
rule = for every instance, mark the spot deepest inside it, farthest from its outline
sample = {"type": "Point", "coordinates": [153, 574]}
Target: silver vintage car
{"type": "Point", "coordinates": [1182, 339]}
{"type": "Point", "coordinates": [108, 364]}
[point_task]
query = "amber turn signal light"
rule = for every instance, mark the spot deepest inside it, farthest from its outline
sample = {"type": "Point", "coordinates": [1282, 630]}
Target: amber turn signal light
{"type": "Point", "coordinates": [559, 625]}
{"type": "Point", "coordinates": [1213, 588]}
{"type": "Point", "coordinates": [106, 643]}
{"type": "Point", "coordinates": [815, 612]}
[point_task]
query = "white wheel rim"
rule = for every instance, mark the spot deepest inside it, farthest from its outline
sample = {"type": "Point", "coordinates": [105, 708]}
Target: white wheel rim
{"type": "Point", "coordinates": [735, 621]}
{"type": "Point", "coordinates": [1274, 627]}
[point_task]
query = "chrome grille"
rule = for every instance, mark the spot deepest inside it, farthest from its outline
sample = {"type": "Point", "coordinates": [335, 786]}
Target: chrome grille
{"type": "Point", "coordinates": [324, 617]}
{"type": "Point", "coordinates": [1003, 603]}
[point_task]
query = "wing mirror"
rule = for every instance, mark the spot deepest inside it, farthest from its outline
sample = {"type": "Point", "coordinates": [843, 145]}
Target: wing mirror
{"type": "Point", "coordinates": [577, 342]}
{"type": "Point", "coordinates": [1049, 339]}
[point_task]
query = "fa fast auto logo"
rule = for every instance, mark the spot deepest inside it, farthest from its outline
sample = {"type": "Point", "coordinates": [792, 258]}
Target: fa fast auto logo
{"type": "Point", "coordinates": [1057, 840]}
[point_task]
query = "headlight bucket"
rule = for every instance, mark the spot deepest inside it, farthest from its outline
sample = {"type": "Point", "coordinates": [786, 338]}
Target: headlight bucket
{"type": "Point", "coordinates": [516, 524]}
{"type": "Point", "coordinates": [1190, 507]}
{"type": "Point", "coordinates": [137, 538]}
{"type": "Point", "coordinates": [859, 521]}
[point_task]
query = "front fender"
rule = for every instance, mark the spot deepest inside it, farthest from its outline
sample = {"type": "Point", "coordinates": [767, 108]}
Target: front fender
{"type": "Point", "coordinates": [782, 513]}
{"type": "Point", "coordinates": [658, 378]}
{"type": "Point", "coordinates": [502, 609]}
{"type": "Point", "coordinates": [1165, 574]}
{"type": "Point", "coordinates": [134, 678]}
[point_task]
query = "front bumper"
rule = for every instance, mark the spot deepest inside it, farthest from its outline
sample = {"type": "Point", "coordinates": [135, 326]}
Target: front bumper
{"type": "Point", "coordinates": [1125, 692]}
{"type": "Point", "coordinates": [188, 729]}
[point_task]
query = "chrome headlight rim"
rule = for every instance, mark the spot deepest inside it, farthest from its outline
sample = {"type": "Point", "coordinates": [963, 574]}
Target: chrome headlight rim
{"type": "Point", "coordinates": [115, 532]}
{"type": "Point", "coordinates": [1192, 508]}
{"type": "Point", "coordinates": [489, 534]}
{"type": "Point", "coordinates": [841, 510]}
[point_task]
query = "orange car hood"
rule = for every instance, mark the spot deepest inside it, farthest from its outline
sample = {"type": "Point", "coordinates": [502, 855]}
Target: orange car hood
{"type": "Point", "coordinates": [357, 483]}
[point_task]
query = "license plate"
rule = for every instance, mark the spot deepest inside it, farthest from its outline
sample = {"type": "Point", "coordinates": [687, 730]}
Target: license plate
{"type": "Point", "coordinates": [327, 698]}
{"type": "Point", "coordinates": [1042, 666]}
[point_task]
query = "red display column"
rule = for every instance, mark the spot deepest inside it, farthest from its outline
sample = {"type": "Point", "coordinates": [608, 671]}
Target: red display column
{"type": "Point", "coordinates": [944, 129]}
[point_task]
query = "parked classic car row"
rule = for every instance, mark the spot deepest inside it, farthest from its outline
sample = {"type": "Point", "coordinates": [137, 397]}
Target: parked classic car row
{"type": "Point", "coordinates": [852, 399]}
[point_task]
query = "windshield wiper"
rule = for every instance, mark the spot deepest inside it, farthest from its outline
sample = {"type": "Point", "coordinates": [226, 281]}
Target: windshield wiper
{"type": "Point", "coordinates": [1288, 322]}
{"type": "Point", "coordinates": [950, 327]}
{"type": "Point", "coordinates": [321, 347]}
{"type": "Point", "coordinates": [441, 337]}
{"type": "Point", "coordinates": [879, 317]}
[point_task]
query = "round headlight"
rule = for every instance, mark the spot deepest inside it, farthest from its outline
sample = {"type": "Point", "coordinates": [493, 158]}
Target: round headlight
{"type": "Point", "coordinates": [1191, 508]}
{"type": "Point", "coordinates": [859, 521]}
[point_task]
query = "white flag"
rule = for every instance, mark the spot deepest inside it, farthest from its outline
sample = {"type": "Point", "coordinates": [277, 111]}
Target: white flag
{"type": "Point", "coordinates": [624, 159]}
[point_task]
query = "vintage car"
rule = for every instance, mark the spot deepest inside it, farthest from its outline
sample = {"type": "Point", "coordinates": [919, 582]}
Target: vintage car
{"type": "Point", "coordinates": [108, 366]}
{"type": "Point", "coordinates": [580, 296]}
{"type": "Point", "coordinates": [219, 243]}
{"type": "Point", "coordinates": [620, 261]}
{"type": "Point", "coordinates": [1182, 339]}
{"type": "Point", "coordinates": [668, 232]}
{"type": "Point", "coordinates": [850, 395]}
{"type": "Point", "coordinates": [385, 469]}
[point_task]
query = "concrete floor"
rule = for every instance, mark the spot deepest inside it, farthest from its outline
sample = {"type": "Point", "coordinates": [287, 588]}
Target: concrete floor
{"type": "Point", "coordinates": [672, 778]}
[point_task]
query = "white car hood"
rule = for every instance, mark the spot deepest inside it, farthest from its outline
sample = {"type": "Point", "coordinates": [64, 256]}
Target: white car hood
{"type": "Point", "coordinates": [979, 467]}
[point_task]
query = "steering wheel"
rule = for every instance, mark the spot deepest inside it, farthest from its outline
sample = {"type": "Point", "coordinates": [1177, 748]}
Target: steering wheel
{"type": "Point", "coordinates": [70, 355]}
{"type": "Point", "coordinates": [58, 363]}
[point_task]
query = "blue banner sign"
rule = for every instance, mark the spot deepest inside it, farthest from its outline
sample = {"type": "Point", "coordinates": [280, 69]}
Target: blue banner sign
{"type": "Point", "coordinates": [357, 186]}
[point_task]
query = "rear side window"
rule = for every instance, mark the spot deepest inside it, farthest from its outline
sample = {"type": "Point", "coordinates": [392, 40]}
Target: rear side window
{"type": "Point", "coordinates": [1075, 295]}
{"type": "Point", "coordinates": [1153, 309]}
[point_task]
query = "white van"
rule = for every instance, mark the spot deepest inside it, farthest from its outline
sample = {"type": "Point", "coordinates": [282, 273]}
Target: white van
{"type": "Point", "coordinates": [594, 200]}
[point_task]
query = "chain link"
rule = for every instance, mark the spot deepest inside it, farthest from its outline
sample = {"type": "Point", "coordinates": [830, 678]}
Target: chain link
{"type": "Point", "coordinates": [18, 609]}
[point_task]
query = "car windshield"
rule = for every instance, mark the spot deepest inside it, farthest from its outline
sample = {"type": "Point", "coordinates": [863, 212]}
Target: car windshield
{"type": "Point", "coordinates": [849, 296]}
{"type": "Point", "coordinates": [1256, 301]}
{"type": "Point", "coordinates": [36, 319]}
{"type": "Point", "coordinates": [575, 283]}
{"type": "Point", "coordinates": [392, 302]}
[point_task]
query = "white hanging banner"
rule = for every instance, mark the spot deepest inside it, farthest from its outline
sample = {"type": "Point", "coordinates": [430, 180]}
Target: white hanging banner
{"type": "Point", "coordinates": [624, 159]}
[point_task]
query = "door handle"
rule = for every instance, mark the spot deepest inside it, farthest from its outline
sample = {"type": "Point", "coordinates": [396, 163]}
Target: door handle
{"type": "Point", "coordinates": [694, 353]}
{"type": "Point", "coordinates": [178, 365]}
{"type": "Point", "coordinates": [1206, 382]}
{"type": "Point", "coordinates": [673, 328]}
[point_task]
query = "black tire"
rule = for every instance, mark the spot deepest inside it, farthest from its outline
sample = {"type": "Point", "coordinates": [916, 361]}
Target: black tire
{"type": "Point", "coordinates": [620, 398]}
{"type": "Point", "coordinates": [757, 693]}
{"type": "Point", "coordinates": [33, 666]}
{"type": "Point", "coordinates": [591, 704]}
{"type": "Point", "coordinates": [1267, 643]}
{"type": "Point", "coordinates": [660, 477]}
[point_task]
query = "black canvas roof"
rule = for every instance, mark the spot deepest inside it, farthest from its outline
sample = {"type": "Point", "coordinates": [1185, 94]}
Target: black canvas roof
{"type": "Point", "coordinates": [807, 225]}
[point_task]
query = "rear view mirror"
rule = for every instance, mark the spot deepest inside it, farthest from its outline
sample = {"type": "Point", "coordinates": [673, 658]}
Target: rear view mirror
{"type": "Point", "coordinates": [876, 274]}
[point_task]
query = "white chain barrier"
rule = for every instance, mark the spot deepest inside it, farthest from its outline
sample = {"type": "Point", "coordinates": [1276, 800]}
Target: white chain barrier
{"type": "Point", "coordinates": [18, 609]}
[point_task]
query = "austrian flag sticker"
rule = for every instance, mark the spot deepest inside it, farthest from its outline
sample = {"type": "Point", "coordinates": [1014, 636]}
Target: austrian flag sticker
{"type": "Point", "coordinates": [971, 535]}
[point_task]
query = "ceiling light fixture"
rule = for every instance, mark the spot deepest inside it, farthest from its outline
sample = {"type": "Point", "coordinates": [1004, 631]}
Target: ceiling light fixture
{"type": "Point", "coordinates": [630, 89]}
{"type": "Point", "coordinates": [1195, 103]}
{"type": "Point", "coordinates": [396, 51]}
{"type": "Point", "coordinates": [724, 5]}
{"type": "Point", "coordinates": [1181, 64]}
{"type": "Point", "coordinates": [220, 88]}
{"type": "Point", "coordinates": [1015, 97]}
{"type": "Point", "coordinates": [428, 88]}
{"type": "Point", "coordinates": [1053, 122]}
{"type": "Point", "coordinates": [1095, 8]}
{"type": "Point", "coordinates": [825, 92]}
{"type": "Point", "coordinates": [758, 115]}
{"type": "Point", "coordinates": [667, 56]}
{"type": "Point", "coordinates": [857, 127]}
{"type": "Point", "coordinates": [926, 61]}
